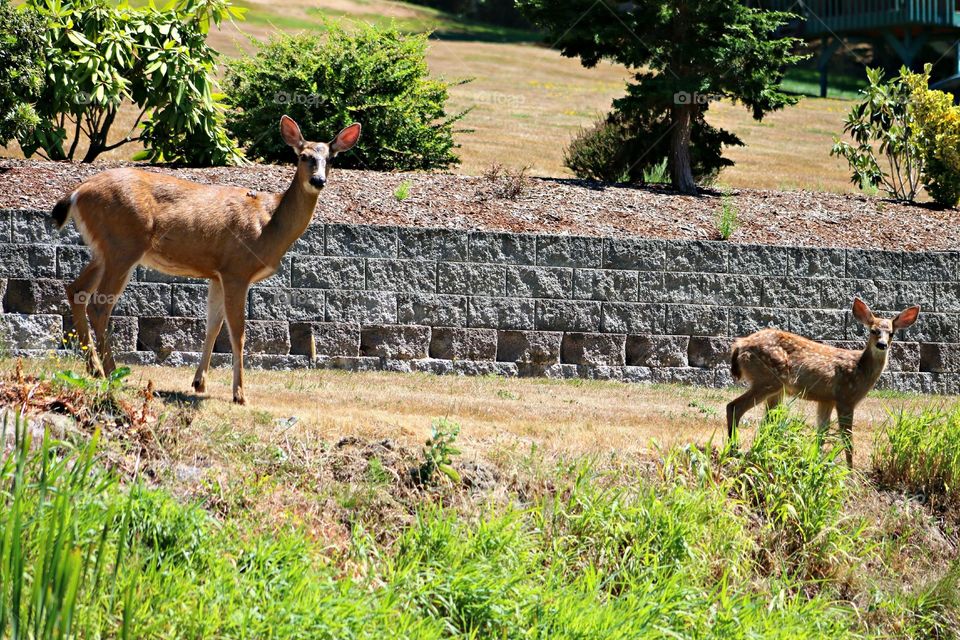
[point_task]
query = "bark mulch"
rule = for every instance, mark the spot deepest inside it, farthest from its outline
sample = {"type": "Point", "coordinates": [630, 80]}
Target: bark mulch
{"type": "Point", "coordinates": [548, 205]}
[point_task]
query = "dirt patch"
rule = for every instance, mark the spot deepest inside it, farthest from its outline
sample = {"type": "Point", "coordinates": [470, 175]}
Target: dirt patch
{"type": "Point", "coordinates": [793, 218]}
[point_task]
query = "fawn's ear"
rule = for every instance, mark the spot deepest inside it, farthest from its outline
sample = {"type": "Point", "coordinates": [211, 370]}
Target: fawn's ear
{"type": "Point", "coordinates": [862, 312]}
{"type": "Point", "coordinates": [345, 140]}
{"type": "Point", "coordinates": [906, 318]}
{"type": "Point", "coordinates": [290, 132]}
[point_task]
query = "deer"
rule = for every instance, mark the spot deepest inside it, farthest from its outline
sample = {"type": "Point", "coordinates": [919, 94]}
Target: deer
{"type": "Point", "coordinates": [229, 235]}
{"type": "Point", "coordinates": [776, 363]}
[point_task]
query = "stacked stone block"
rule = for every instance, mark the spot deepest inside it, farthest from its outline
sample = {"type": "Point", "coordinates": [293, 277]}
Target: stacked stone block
{"type": "Point", "coordinates": [449, 301]}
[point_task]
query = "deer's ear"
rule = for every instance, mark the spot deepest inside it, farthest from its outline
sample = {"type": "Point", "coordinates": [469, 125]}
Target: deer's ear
{"type": "Point", "coordinates": [906, 318]}
{"type": "Point", "coordinates": [290, 132]}
{"type": "Point", "coordinates": [345, 140]}
{"type": "Point", "coordinates": [862, 312]}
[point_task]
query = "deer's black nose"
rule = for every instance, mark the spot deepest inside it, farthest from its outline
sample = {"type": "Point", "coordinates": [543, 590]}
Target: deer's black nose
{"type": "Point", "coordinates": [318, 181]}
{"type": "Point", "coordinates": [882, 346]}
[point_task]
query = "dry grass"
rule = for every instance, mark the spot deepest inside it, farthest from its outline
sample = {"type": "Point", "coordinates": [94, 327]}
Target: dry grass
{"type": "Point", "coordinates": [562, 417]}
{"type": "Point", "coordinates": [527, 101]}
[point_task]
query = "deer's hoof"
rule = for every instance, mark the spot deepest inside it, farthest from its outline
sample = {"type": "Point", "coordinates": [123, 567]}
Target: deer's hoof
{"type": "Point", "coordinates": [199, 386]}
{"type": "Point", "coordinates": [239, 399]}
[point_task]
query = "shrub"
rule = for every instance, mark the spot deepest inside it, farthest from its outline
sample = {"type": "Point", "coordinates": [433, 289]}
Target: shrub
{"type": "Point", "coordinates": [938, 126]}
{"type": "Point", "coordinates": [883, 123]}
{"type": "Point", "coordinates": [921, 452]}
{"type": "Point", "coordinates": [98, 55]}
{"type": "Point", "coordinates": [375, 76]}
{"type": "Point", "coordinates": [21, 39]}
{"type": "Point", "coordinates": [617, 150]}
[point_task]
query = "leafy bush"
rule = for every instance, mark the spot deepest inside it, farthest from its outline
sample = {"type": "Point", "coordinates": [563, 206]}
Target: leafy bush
{"type": "Point", "coordinates": [883, 123]}
{"type": "Point", "coordinates": [921, 452]}
{"type": "Point", "coordinates": [21, 41]}
{"type": "Point", "coordinates": [97, 55]}
{"type": "Point", "coordinates": [617, 150]}
{"type": "Point", "coordinates": [375, 76]}
{"type": "Point", "coordinates": [938, 124]}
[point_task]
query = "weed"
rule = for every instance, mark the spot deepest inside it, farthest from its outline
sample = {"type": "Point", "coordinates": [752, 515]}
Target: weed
{"type": "Point", "coordinates": [727, 222]}
{"type": "Point", "coordinates": [506, 394]}
{"type": "Point", "coordinates": [101, 391]}
{"type": "Point", "coordinates": [504, 183]}
{"type": "Point", "coordinates": [438, 453]}
{"type": "Point", "coordinates": [402, 192]}
{"type": "Point", "coordinates": [657, 174]}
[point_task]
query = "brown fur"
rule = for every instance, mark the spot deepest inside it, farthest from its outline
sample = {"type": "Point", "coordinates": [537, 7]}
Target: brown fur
{"type": "Point", "coordinates": [229, 235]}
{"type": "Point", "coordinates": [776, 362]}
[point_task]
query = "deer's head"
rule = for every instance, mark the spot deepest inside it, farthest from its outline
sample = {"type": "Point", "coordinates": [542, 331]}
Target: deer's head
{"type": "Point", "coordinates": [313, 157]}
{"type": "Point", "coordinates": [882, 330]}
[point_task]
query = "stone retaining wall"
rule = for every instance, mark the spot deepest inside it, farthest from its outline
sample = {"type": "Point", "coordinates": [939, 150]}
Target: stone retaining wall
{"type": "Point", "coordinates": [447, 301]}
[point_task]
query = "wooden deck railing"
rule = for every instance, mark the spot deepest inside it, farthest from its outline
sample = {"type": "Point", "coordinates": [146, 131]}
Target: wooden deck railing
{"type": "Point", "coordinates": [825, 16]}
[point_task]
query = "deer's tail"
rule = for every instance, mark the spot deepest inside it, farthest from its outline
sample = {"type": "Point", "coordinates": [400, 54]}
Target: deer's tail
{"type": "Point", "coordinates": [735, 363]}
{"type": "Point", "coordinates": [61, 210]}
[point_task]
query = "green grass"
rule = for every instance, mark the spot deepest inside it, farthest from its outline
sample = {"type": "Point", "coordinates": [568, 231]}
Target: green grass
{"type": "Point", "coordinates": [921, 452]}
{"type": "Point", "coordinates": [806, 82]}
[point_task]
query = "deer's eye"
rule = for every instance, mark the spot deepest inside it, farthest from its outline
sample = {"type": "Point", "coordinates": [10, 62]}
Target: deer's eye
{"type": "Point", "coordinates": [875, 332]}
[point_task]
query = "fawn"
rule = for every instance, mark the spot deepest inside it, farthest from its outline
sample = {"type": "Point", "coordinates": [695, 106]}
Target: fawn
{"type": "Point", "coordinates": [229, 235]}
{"type": "Point", "coordinates": [776, 362]}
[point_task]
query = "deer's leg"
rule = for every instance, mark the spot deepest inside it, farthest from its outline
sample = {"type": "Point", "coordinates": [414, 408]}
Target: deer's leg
{"type": "Point", "coordinates": [79, 293]}
{"type": "Point", "coordinates": [234, 305]}
{"type": "Point", "coordinates": [736, 409]}
{"type": "Point", "coordinates": [824, 409]}
{"type": "Point", "coordinates": [115, 277]}
{"type": "Point", "coordinates": [773, 401]}
{"type": "Point", "coordinates": [845, 418]}
{"type": "Point", "coordinates": [214, 324]}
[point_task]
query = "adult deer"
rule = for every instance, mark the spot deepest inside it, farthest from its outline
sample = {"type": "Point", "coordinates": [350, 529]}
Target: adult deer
{"type": "Point", "coordinates": [775, 362]}
{"type": "Point", "coordinates": [229, 235]}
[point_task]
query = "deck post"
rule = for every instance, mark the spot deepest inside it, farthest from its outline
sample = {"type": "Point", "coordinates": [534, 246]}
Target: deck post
{"type": "Point", "coordinates": [829, 47]}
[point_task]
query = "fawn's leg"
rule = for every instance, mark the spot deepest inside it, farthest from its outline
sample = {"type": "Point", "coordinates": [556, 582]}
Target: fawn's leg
{"type": "Point", "coordinates": [214, 324]}
{"type": "Point", "coordinates": [115, 277]}
{"type": "Point", "coordinates": [845, 418]}
{"type": "Point", "coordinates": [773, 401]}
{"type": "Point", "coordinates": [738, 407]}
{"type": "Point", "coordinates": [824, 409]}
{"type": "Point", "coordinates": [79, 293]}
{"type": "Point", "coordinates": [234, 304]}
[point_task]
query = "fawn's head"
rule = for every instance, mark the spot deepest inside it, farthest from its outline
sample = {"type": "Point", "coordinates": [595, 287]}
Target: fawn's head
{"type": "Point", "coordinates": [313, 157]}
{"type": "Point", "coordinates": [881, 329]}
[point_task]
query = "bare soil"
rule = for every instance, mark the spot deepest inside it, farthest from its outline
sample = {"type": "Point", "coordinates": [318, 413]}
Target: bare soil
{"type": "Point", "coordinates": [549, 205]}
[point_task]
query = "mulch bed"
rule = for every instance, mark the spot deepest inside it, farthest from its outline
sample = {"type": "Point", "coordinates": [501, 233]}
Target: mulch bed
{"type": "Point", "coordinates": [546, 205]}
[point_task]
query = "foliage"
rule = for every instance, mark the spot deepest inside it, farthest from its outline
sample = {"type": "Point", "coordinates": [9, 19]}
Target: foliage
{"type": "Point", "coordinates": [439, 451]}
{"type": "Point", "coordinates": [938, 126]}
{"type": "Point", "coordinates": [21, 38]}
{"type": "Point", "coordinates": [683, 56]}
{"type": "Point", "coordinates": [727, 218]}
{"type": "Point", "coordinates": [500, 12]}
{"type": "Point", "coordinates": [884, 130]}
{"type": "Point", "coordinates": [103, 391]}
{"type": "Point", "coordinates": [798, 488]}
{"type": "Point", "coordinates": [61, 545]}
{"type": "Point", "coordinates": [616, 149]}
{"type": "Point", "coordinates": [402, 192]}
{"type": "Point", "coordinates": [503, 183]}
{"type": "Point", "coordinates": [98, 55]}
{"type": "Point", "coordinates": [375, 76]}
{"type": "Point", "coordinates": [921, 452]}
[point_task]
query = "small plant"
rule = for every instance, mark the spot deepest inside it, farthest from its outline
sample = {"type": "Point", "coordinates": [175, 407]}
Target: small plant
{"type": "Point", "coordinates": [727, 222]}
{"type": "Point", "coordinates": [658, 173]}
{"type": "Point", "coordinates": [102, 390]}
{"type": "Point", "coordinates": [402, 192]}
{"type": "Point", "coordinates": [505, 183]}
{"type": "Point", "coordinates": [439, 451]}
